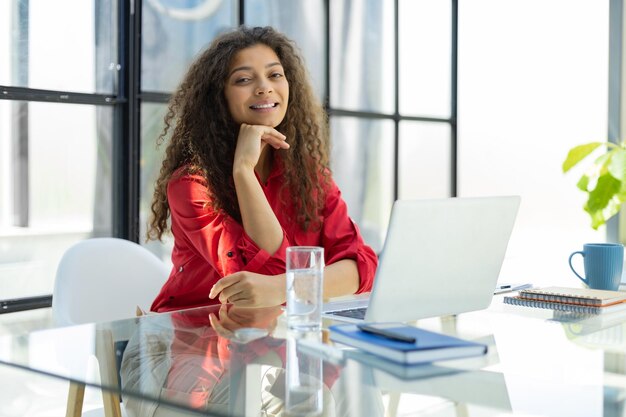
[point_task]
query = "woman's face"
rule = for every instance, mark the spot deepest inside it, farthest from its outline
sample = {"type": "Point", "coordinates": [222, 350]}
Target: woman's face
{"type": "Point", "coordinates": [257, 91]}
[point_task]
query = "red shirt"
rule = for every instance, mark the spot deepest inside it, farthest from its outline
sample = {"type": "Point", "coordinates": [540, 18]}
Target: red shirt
{"type": "Point", "coordinates": [210, 245]}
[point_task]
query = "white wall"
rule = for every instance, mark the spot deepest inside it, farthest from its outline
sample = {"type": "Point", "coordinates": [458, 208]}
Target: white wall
{"type": "Point", "coordinates": [533, 82]}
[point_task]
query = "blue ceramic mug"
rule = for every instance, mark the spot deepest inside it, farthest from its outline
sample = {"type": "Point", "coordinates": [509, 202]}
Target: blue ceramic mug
{"type": "Point", "coordinates": [603, 265]}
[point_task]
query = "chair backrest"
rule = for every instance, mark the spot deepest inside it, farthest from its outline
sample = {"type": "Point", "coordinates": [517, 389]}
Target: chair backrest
{"type": "Point", "coordinates": [105, 279]}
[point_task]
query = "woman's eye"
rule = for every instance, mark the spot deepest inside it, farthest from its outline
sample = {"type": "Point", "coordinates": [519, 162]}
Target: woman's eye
{"type": "Point", "coordinates": [242, 80]}
{"type": "Point", "coordinates": [276, 75]}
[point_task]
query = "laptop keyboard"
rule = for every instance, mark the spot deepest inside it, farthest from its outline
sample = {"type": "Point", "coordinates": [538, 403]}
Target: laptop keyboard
{"type": "Point", "coordinates": [355, 313]}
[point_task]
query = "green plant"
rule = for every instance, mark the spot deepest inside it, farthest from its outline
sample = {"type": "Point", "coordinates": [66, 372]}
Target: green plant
{"type": "Point", "coordinates": [604, 181]}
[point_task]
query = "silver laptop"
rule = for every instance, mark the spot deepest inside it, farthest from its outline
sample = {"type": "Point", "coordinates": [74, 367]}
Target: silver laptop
{"type": "Point", "coordinates": [440, 257]}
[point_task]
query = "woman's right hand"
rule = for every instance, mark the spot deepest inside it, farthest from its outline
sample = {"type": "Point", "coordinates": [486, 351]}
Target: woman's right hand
{"type": "Point", "coordinates": [251, 141]}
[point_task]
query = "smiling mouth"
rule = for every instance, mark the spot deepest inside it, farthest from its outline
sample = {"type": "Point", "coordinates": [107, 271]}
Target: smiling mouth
{"type": "Point", "coordinates": [263, 106]}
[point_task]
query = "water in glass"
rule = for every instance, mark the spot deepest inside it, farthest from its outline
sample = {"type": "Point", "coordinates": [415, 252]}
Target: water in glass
{"type": "Point", "coordinates": [304, 298]}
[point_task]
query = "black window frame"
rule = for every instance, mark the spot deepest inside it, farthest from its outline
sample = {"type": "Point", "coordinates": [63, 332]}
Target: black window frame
{"type": "Point", "coordinates": [127, 118]}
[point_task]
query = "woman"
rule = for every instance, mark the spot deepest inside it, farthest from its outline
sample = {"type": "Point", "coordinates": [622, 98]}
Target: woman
{"type": "Point", "coordinates": [246, 174]}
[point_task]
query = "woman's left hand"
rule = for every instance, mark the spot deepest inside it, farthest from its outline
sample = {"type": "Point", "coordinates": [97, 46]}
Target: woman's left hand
{"type": "Point", "coordinates": [248, 289]}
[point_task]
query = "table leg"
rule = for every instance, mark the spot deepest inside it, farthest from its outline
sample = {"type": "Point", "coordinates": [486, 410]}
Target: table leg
{"type": "Point", "coordinates": [105, 353]}
{"type": "Point", "coordinates": [75, 398]}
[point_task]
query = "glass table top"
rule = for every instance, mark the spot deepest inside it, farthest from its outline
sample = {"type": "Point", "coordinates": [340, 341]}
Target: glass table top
{"type": "Point", "coordinates": [243, 362]}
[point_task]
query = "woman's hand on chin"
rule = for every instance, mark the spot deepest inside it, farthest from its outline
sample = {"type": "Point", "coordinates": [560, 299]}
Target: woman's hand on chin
{"type": "Point", "coordinates": [251, 141]}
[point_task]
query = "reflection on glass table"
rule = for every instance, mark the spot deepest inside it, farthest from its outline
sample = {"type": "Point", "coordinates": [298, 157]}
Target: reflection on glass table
{"type": "Point", "coordinates": [243, 362]}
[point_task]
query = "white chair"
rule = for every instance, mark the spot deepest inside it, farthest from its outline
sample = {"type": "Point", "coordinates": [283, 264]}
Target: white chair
{"type": "Point", "coordinates": [104, 279]}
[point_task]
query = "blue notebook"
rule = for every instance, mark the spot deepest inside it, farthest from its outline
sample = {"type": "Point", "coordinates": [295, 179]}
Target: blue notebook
{"type": "Point", "coordinates": [428, 347]}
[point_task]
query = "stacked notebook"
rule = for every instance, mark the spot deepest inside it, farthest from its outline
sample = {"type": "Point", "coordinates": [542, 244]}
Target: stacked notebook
{"type": "Point", "coordinates": [580, 300]}
{"type": "Point", "coordinates": [425, 347]}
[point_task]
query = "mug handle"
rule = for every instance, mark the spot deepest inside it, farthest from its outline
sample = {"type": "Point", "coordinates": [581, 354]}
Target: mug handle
{"type": "Point", "coordinates": [572, 268]}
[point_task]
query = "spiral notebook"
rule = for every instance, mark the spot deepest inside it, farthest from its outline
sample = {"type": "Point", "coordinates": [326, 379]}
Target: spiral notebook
{"type": "Point", "coordinates": [579, 296]}
{"type": "Point", "coordinates": [563, 306]}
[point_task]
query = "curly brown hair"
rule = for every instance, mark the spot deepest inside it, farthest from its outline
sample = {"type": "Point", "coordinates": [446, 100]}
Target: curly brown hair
{"type": "Point", "coordinates": [204, 134]}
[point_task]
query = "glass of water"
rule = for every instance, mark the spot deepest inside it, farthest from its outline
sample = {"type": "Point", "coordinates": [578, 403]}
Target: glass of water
{"type": "Point", "coordinates": [305, 277]}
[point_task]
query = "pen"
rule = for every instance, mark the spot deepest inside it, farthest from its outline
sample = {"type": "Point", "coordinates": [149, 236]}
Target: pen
{"type": "Point", "coordinates": [382, 330]}
{"type": "Point", "coordinates": [511, 287]}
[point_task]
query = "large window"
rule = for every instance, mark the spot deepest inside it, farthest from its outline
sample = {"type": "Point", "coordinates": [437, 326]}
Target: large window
{"type": "Point", "coordinates": [391, 108]}
{"type": "Point", "coordinates": [84, 86]}
{"type": "Point", "coordinates": [58, 78]}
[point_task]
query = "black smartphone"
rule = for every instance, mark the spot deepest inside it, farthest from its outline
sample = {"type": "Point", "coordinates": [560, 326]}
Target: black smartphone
{"type": "Point", "coordinates": [387, 330]}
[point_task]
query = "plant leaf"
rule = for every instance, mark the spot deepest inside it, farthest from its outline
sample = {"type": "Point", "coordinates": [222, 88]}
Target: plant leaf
{"type": "Point", "coordinates": [601, 164]}
{"type": "Point", "coordinates": [583, 182]}
{"type": "Point", "coordinates": [606, 188]}
{"type": "Point", "coordinates": [597, 219]}
{"type": "Point", "coordinates": [578, 153]}
{"type": "Point", "coordinates": [617, 166]}
{"type": "Point", "coordinates": [622, 192]}
{"type": "Point", "coordinates": [611, 210]}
